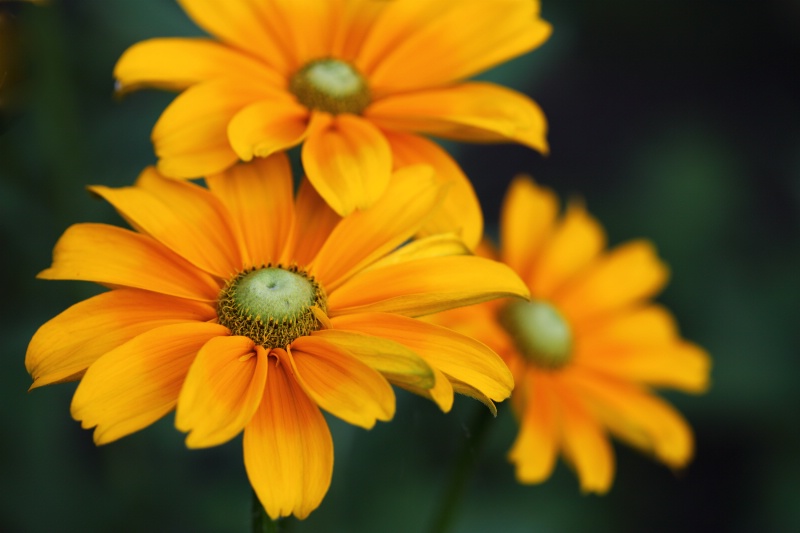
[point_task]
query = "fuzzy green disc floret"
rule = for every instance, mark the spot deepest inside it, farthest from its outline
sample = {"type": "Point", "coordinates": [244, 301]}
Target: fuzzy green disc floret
{"type": "Point", "coordinates": [330, 85]}
{"type": "Point", "coordinates": [271, 305]}
{"type": "Point", "coordinates": [540, 332]}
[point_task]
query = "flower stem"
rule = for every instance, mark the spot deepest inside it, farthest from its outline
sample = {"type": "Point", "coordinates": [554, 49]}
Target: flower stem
{"type": "Point", "coordinates": [462, 469]}
{"type": "Point", "coordinates": [262, 523]}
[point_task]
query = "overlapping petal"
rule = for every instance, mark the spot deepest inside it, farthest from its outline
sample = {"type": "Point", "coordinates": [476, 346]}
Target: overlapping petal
{"type": "Point", "coordinates": [536, 447]}
{"type": "Point", "coordinates": [64, 347]}
{"type": "Point", "coordinates": [314, 222]}
{"type": "Point", "coordinates": [267, 126]}
{"type": "Point", "coordinates": [137, 383]}
{"type": "Point", "coordinates": [529, 213]}
{"type": "Point", "coordinates": [288, 450]}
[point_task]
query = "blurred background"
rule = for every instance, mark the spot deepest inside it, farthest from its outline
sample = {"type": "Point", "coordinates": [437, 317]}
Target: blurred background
{"type": "Point", "coordinates": [675, 120]}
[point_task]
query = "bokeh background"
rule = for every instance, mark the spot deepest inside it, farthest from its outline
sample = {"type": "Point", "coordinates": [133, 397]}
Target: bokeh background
{"type": "Point", "coordinates": [675, 120]}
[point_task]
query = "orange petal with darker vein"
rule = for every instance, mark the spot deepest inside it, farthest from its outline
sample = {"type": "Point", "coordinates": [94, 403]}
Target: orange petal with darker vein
{"type": "Point", "coordinates": [315, 220]}
{"type": "Point", "coordinates": [260, 199]}
{"type": "Point", "coordinates": [191, 136]}
{"type": "Point", "coordinates": [426, 286]}
{"type": "Point", "coordinates": [460, 212]}
{"type": "Point", "coordinates": [475, 112]}
{"type": "Point", "coordinates": [288, 450]}
{"type": "Point", "coordinates": [340, 383]}
{"type": "Point", "coordinates": [185, 218]}
{"type": "Point", "coordinates": [119, 257]}
{"type": "Point", "coordinates": [365, 236]}
{"type": "Point", "coordinates": [137, 383]}
{"type": "Point", "coordinates": [348, 160]}
{"type": "Point", "coordinates": [267, 126]}
{"type": "Point", "coordinates": [64, 347]}
{"type": "Point", "coordinates": [535, 449]}
{"type": "Point", "coordinates": [177, 63]}
{"type": "Point", "coordinates": [222, 391]}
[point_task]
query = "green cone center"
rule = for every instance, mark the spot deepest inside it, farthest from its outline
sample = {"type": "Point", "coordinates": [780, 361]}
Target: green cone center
{"type": "Point", "coordinates": [540, 332]}
{"type": "Point", "coordinates": [271, 305]}
{"type": "Point", "coordinates": [330, 85]}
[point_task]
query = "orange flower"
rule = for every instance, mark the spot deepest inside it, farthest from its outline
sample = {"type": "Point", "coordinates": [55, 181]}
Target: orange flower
{"type": "Point", "coordinates": [354, 81]}
{"type": "Point", "coordinates": [588, 348]}
{"type": "Point", "coordinates": [249, 309]}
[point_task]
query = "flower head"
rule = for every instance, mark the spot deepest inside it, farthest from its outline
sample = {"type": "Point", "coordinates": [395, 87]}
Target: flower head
{"type": "Point", "coordinates": [588, 348]}
{"type": "Point", "coordinates": [353, 81]}
{"type": "Point", "coordinates": [249, 309]}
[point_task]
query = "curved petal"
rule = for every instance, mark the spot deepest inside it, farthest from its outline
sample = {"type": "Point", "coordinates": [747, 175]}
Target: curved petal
{"type": "Point", "coordinates": [586, 445]}
{"type": "Point", "coordinates": [177, 63]}
{"type": "Point", "coordinates": [64, 347]}
{"type": "Point", "coordinates": [442, 245]}
{"type": "Point", "coordinates": [465, 37]}
{"type": "Point", "coordinates": [260, 199]}
{"type": "Point", "coordinates": [476, 112]}
{"type": "Point", "coordinates": [115, 256]}
{"type": "Point", "coordinates": [222, 391]}
{"type": "Point", "coordinates": [442, 393]}
{"type": "Point", "coordinates": [314, 222]}
{"type": "Point", "coordinates": [629, 273]}
{"type": "Point", "coordinates": [288, 450]}
{"type": "Point", "coordinates": [340, 383]}
{"type": "Point", "coordinates": [191, 136]}
{"type": "Point", "coordinates": [246, 25]}
{"type": "Point", "coordinates": [460, 211]}
{"type": "Point", "coordinates": [426, 286]}
{"type": "Point", "coordinates": [137, 383]}
{"type": "Point", "coordinates": [574, 244]}
{"type": "Point", "coordinates": [268, 126]}
{"type": "Point", "coordinates": [399, 364]}
{"type": "Point", "coordinates": [348, 160]}
{"type": "Point", "coordinates": [185, 218]}
{"type": "Point", "coordinates": [458, 356]}
{"type": "Point", "coordinates": [528, 215]}
{"type": "Point", "coordinates": [638, 417]}
{"type": "Point", "coordinates": [535, 449]}
{"type": "Point", "coordinates": [365, 236]}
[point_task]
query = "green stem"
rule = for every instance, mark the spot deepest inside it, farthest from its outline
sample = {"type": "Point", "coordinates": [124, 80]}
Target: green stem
{"type": "Point", "coordinates": [462, 471]}
{"type": "Point", "coordinates": [262, 523]}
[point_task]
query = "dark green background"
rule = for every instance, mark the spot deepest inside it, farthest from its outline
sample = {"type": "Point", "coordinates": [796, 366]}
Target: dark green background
{"type": "Point", "coordinates": [675, 120]}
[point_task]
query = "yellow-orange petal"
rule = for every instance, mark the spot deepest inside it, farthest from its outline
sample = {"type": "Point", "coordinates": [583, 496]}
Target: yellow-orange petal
{"type": "Point", "coordinates": [222, 391]}
{"type": "Point", "coordinates": [460, 211]}
{"type": "Point", "coordinates": [267, 126]}
{"type": "Point", "coordinates": [178, 63]}
{"type": "Point", "coordinates": [365, 236]}
{"type": "Point", "coordinates": [442, 392]}
{"type": "Point", "coordinates": [64, 347]}
{"type": "Point", "coordinates": [398, 363]}
{"type": "Point", "coordinates": [119, 257]}
{"type": "Point", "coordinates": [340, 383]}
{"type": "Point", "coordinates": [288, 450]}
{"type": "Point", "coordinates": [476, 111]}
{"type": "Point", "coordinates": [191, 135]}
{"type": "Point", "coordinates": [185, 218]}
{"type": "Point", "coordinates": [260, 199]}
{"type": "Point", "coordinates": [586, 445]}
{"type": "Point", "coordinates": [441, 245]}
{"type": "Point", "coordinates": [426, 286]}
{"type": "Point", "coordinates": [529, 212]}
{"type": "Point", "coordinates": [629, 273]}
{"type": "Point", "coordinates": [573, 245]}
{"type": "Point", "coordinates": [314, 221]}
{"type": "Point", "coordinates": [247, 25]}
{"type": "Point", "coordinates": [137, 383]}
{"type": "Point", "coordinates": [535, 449]}
{"type": "Point", "coordinates": [460, 357]}
{"type": "Point", "coordinates": [640, 418]}
{"type": "Point", "coordinates": [466, 37]}
{"type": "Point", "coordinates": [348, 160]}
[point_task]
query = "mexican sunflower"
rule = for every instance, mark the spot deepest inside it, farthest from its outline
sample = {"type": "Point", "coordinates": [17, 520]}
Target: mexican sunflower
{"type": "Point", "coordinates": [588, 348]}
{"type": "Point", "coordinates": [247, 309]}
{"type": "Point", "coordinates": [354, 81]}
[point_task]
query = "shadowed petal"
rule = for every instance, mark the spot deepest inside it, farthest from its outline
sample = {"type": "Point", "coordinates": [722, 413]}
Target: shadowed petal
{"type": "Point", "coordinates": [288, 450]}
{"type": "Point", "coordinates": [137, 383]}
{"type": "Point", "coordinates": [267, 126]}
{"type": "Point", "coordinates": [64, 347]}
{"type": "Point", "coordinates": [535, 449]}
{"type": "Point", "coordinates": [315, 221]}
{"type": "Point", "coordinates": [222, 391]}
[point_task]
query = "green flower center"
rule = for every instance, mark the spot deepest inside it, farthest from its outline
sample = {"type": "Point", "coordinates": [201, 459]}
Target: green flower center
{"type": "Point", "coordinates": [330, 85]}
{"type": "Point", "coordinates": [540, 333]}
{"type": "Point", "coordinates": [271, 305]}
